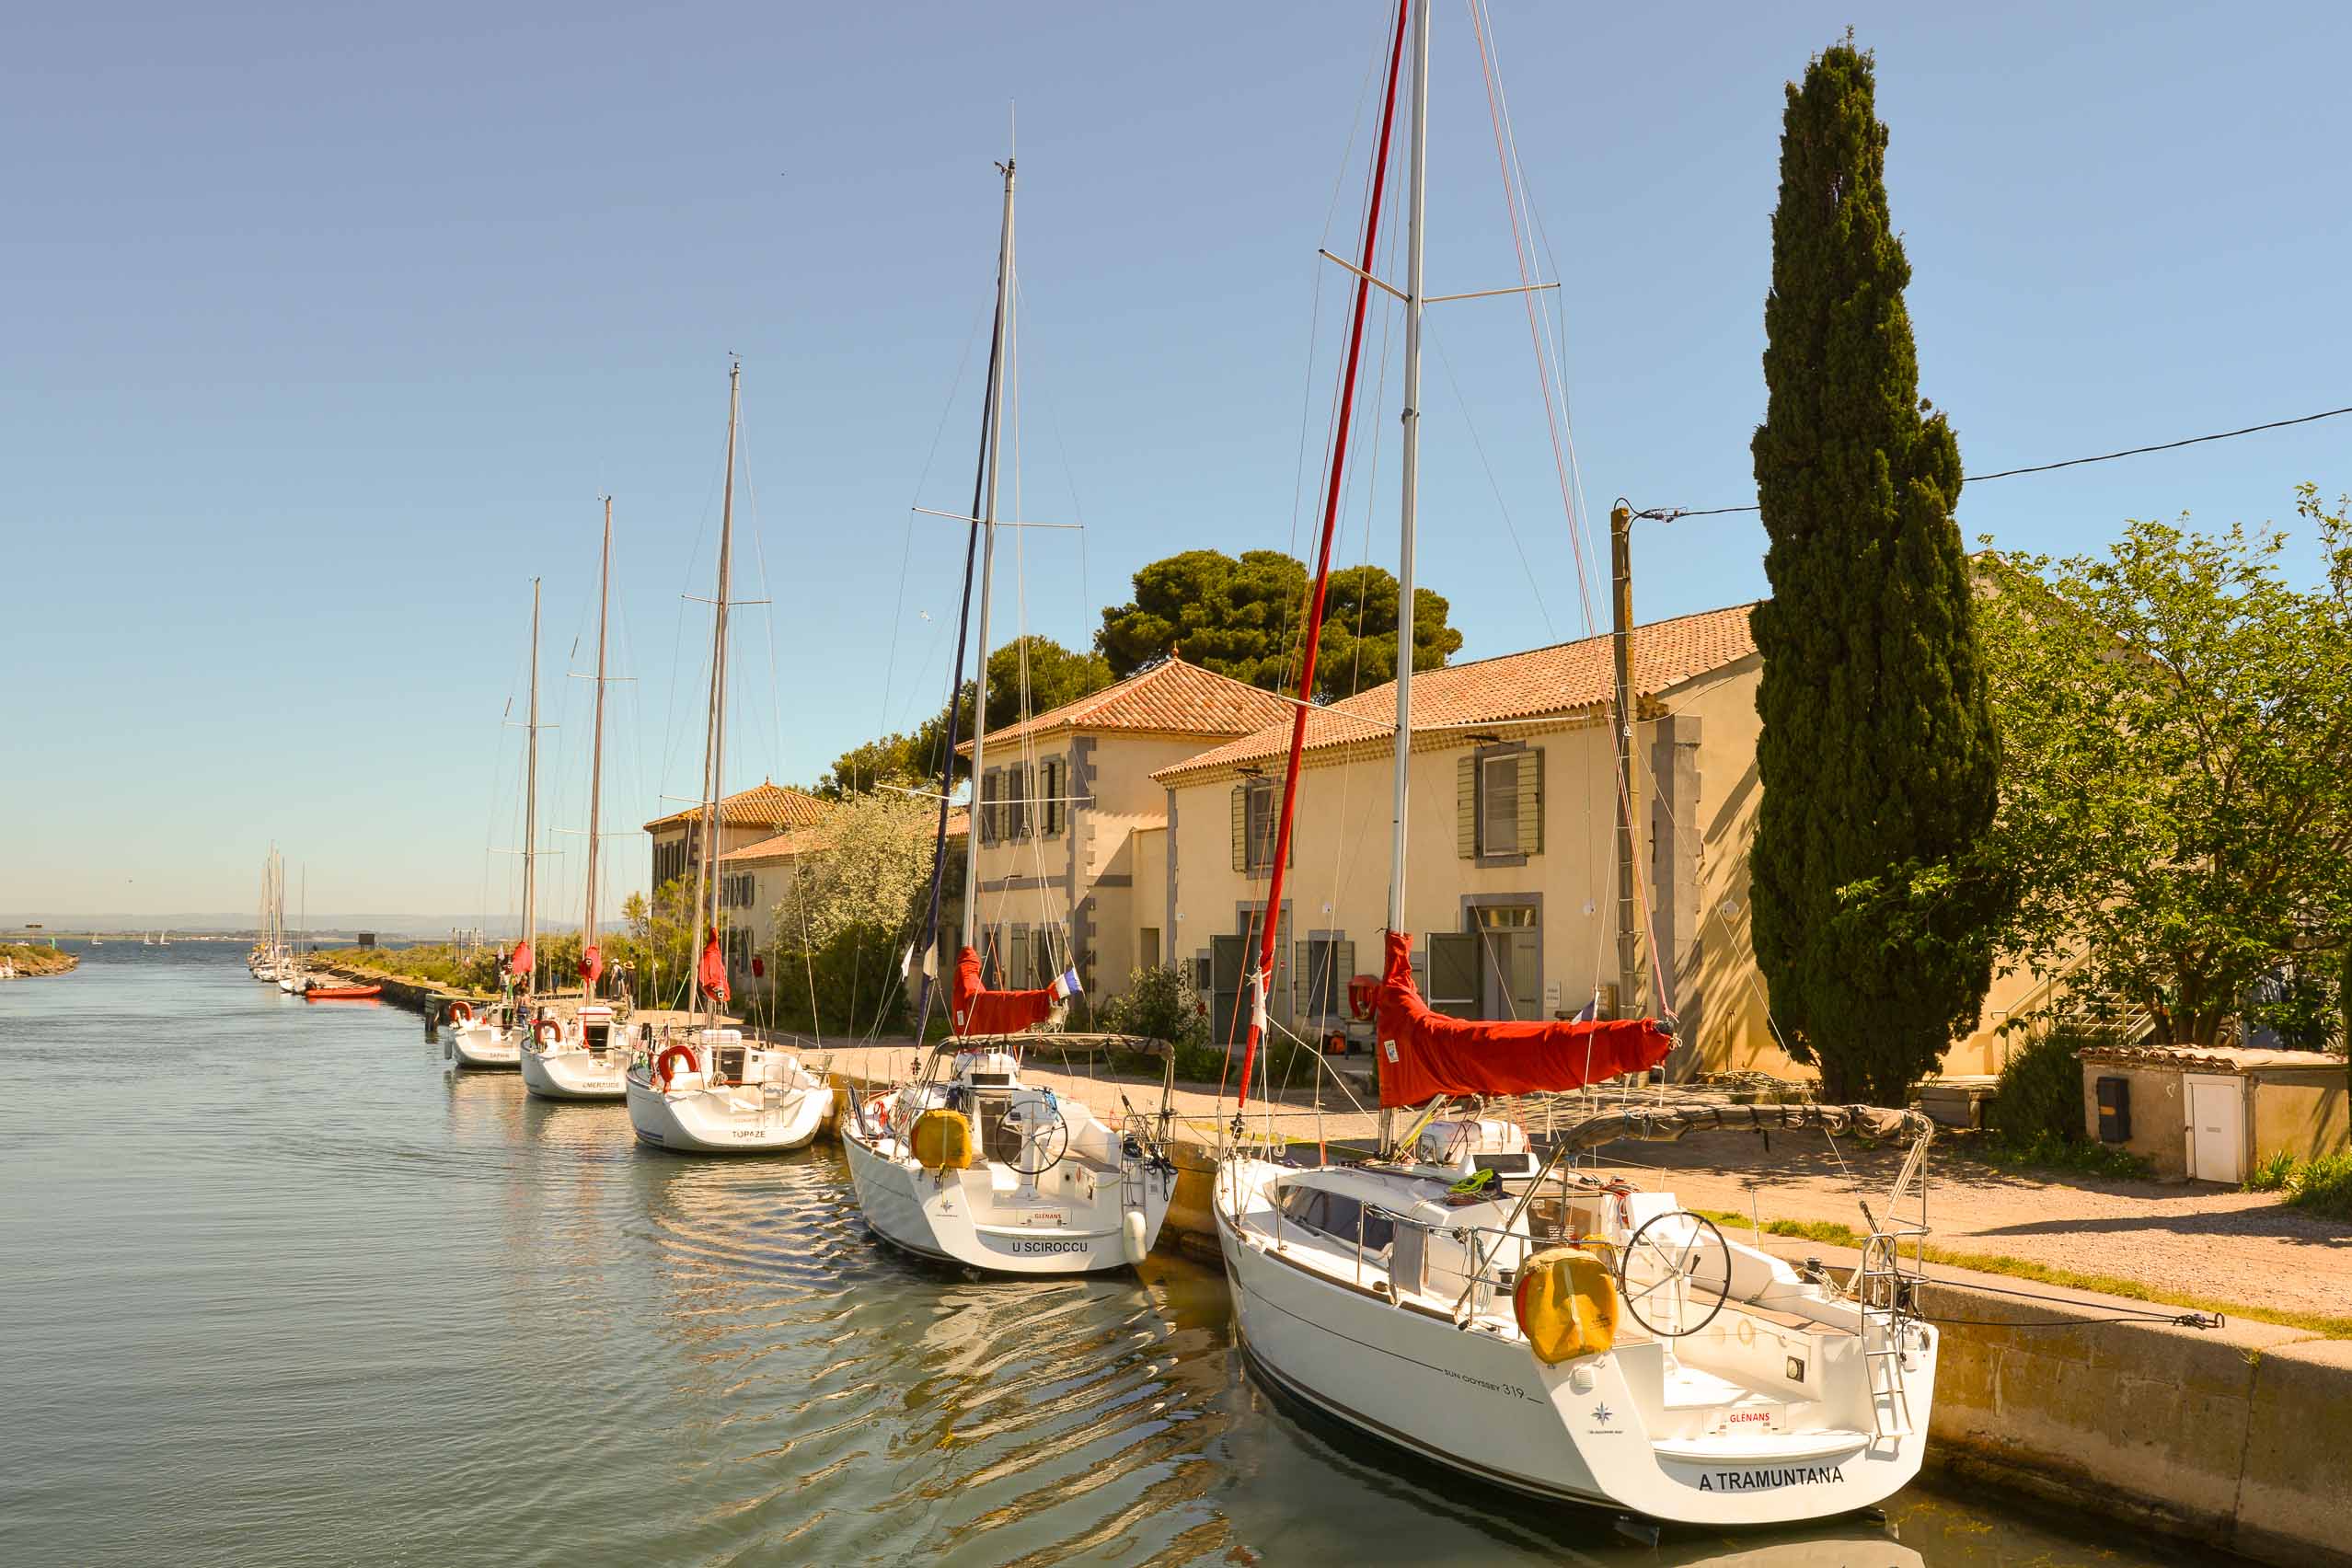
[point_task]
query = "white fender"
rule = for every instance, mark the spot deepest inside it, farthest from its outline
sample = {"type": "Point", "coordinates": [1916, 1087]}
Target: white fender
{"type": "Point", "coordinates": [1132, 1235]}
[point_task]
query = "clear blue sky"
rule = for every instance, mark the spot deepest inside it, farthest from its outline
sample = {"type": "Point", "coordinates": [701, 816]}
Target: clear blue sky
{"type": "Point", "coordinates": [324, 329]}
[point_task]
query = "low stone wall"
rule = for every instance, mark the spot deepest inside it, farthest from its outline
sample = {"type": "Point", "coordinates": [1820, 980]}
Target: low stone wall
{"type": "Point", "coordinates": [2234, 1437]}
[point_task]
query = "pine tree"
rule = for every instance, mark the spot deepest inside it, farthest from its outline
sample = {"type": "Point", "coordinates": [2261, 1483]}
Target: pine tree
{"type": "Point", "coordinates": [1878, 756]}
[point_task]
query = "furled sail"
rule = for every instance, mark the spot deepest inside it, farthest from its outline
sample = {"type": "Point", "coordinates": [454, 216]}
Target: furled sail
{"type": "Point", "coordinates": [1424, 1054]}
{"type": "Point", "coordinates": [713, 971]}
{"type": "Point", "coordinates": [592, 964]}
{"type": "Point", "coordinates": [975, 1010]}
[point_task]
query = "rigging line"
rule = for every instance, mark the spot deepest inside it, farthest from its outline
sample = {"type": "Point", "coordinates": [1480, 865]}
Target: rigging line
{"type": "Point", "coordinates": [906, 550]}
{"type": "Point", "coordinates": [1673, 513]}
{"type": "Point", "coordinates": [1509, 527]}
{"type": "Point", "coordinates": [1505, 150]}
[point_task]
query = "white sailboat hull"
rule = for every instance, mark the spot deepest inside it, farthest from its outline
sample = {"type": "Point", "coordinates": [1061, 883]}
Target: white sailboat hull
{"type": "Point", "coordinates": [1480, 1403]}
{"type": "Point", "coordinates": [731, 1119]}
{"type": "Point", "coordinates": [1074, 1219]}
{"type": "Point", "coordinates": [571, 1072]}
{"type": "Point", "coordinates": [484, 1048]}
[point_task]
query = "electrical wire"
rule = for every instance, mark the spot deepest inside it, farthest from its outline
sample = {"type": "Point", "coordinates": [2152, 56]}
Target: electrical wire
{"type": "Point", "coordinates": [1673, 513]}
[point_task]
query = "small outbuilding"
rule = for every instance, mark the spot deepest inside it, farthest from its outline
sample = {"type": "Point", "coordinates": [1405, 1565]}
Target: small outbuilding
{"type": "Point", "coordinates": [2212, 1113]}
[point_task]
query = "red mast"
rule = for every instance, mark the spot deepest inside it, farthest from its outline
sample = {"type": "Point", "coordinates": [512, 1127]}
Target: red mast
{"type": "Point", "coordinates": [1314, 628]}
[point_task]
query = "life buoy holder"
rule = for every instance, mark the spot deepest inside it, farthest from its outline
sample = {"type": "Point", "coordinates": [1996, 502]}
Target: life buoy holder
{"type": "Point", "coordinates": [545, 1033]}
{"type": "Point", "coordinates": [663, 1072]}
{"type": "Point", "coordinates": [878, 1114]}
{"type": "Point", "coordinates": [461, 1012]}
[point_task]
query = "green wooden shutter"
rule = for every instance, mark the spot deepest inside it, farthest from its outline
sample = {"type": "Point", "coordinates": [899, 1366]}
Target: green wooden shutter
{"type": "Point", "coordinates": [1532, 801]}
{"type": "Point", "coordinates": [1466, 805]}
{"type": "Point", "coordinates": [1241, 827]}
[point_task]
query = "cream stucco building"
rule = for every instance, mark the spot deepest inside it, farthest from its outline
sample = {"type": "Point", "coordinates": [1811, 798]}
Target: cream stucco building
{"type": "Point", "coordinates": [1511, 891]}
{"type": "Point", "coordinates": [1073, 827]}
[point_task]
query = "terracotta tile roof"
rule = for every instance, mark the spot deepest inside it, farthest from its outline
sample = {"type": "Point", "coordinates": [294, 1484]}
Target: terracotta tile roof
{"type": "Point", "coordinates": [1173, 698]}
{"type": "Point", "coordinates": [1564, 678]}
{"type": "Point", "coordinates": [771, 806]}
{"type": "Point", "coordinates": [806, 840]}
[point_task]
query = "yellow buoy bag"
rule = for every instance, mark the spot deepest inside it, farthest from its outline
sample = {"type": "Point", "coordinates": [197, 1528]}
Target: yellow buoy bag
{"type": "Point", "coordinates": [1566, 1305]}
{"type": "Point", "coordinates": [942, 1141]}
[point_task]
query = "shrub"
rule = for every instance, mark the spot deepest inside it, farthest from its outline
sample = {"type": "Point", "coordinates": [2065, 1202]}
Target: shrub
{"type": "Point", "coordinates": [1161, 1003]}
{"type": "Point", "coordinates": [2273, 1175]}
{"type": "Point", "coordinates": [2324, 1186]}
{"type": "Point", "coordinates": [2041, 1091]}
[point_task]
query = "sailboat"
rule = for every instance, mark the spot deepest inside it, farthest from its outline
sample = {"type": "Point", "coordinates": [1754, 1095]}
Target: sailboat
{"type": "Point", "coordinates": [1046, 1186]}
{"type": "Point", "coordinates": [1504, 1313]}
{"type": "Point", "coordinates": [713, 1091]}
{"type": "Point", "coordinates": [579, 1057]}
{"type": "Point", "coordinates": [494, 1040]}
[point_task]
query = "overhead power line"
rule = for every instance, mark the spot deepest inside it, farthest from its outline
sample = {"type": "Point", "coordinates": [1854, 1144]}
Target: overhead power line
{"type": "Point", "coordinates": [1670, 514]}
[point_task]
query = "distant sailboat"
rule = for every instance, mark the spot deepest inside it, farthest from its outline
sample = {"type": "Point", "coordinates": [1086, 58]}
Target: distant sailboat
{"type": "Point", "coordinates": [494, 1040]}
{"type": "Point", "coordinates": [579, 1059]}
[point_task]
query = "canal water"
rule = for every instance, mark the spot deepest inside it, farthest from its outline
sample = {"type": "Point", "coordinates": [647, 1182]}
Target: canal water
{"type": "Point", "coordinates": [281, 1288]}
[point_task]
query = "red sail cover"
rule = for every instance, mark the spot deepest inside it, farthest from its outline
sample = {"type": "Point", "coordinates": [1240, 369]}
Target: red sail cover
{"type": "Point", "coordinates": [592, 964]}
{"type": "Point", "coordinates": [977, 1011]}
{"type": "Point", "coordinates": [713, 971]}
{"type": "Point", "coordinates": [1424, 1054]}
{"type": "Point", "coordinates": [519, 964]}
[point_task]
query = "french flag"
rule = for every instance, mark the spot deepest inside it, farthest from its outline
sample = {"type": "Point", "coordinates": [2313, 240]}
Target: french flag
{"type": "Point", "coordinates": [1066, 984]}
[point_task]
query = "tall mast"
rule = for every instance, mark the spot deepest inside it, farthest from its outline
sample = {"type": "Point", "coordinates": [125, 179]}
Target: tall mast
{"type": "Point", "coordinates": [955, 690]}
{"type": "Point", "coordinates": [706, 880]}
{"type": "Point", "coordinates": [1270, 928]}
{"type": "Point", "coordinates": [1416, 190]}
{"type": "Point", "coordinates": [597, 754]}
{"type": "Point", "coordinates": [531, 812]}
{"type": "Point", "coordinates": [988, 555]}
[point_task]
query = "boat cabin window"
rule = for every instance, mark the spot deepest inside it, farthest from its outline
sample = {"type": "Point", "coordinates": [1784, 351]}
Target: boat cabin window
{"type": "Point", "coordinates": [599, 1035]}
{"type": "Point", "coordinates": [989, 1081]}
{"type": "Point", "coordinates": [1336, 1214]}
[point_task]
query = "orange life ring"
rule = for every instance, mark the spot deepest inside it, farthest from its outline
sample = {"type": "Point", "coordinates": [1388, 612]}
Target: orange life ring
{"type": "Point", "coordinates": [461, 1012]}
{"type": "Point", "coordinates": [546, 1031]}
{"type": "Point", "coordinates": [663, 1072]}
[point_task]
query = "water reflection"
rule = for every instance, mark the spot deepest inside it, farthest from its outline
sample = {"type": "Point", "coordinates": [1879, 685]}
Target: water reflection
{"type": "Point", "coordinates": [324, 1299]}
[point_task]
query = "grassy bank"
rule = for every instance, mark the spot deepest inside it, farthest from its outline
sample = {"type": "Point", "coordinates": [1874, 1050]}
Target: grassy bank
{"type": "Point", "coordinates": [437, 963]}
{"type": "Point", "coordinates": [37, 958]}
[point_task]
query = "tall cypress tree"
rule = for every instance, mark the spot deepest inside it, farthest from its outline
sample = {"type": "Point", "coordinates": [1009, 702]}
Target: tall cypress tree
{"type": "Point", "coordinates": [1878, 756]}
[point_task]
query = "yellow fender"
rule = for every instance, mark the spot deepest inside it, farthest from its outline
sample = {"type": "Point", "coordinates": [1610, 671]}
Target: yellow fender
{"type": "Point", "coordinates": [1566, 1304]}
{"type": "Point", "coordinates": [942, 1141]}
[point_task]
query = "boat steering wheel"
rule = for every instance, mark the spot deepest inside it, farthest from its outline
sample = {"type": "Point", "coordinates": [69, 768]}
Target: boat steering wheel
{"type": "Point", "coordinates": [1679, 1266]}
{"type": "Point", "coordinates": [1040, 1127]}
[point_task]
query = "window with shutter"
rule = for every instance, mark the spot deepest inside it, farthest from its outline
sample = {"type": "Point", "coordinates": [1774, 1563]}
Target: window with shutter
{"type": "Point", "coordinates": [1050, 792]}
{"type": "Point", "coordinates": [1498, 807]}
{"type": "Point", "coordinates": [1241, 827]}
{"type": "Point", "coordinates": [988, 807]}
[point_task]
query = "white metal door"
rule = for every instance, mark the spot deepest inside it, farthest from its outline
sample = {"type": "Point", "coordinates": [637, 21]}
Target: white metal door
{"type": "Point", "coordinates": [2216, 1127]}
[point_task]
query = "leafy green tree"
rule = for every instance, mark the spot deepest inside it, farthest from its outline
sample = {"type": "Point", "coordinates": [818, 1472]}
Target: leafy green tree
{"type": "Point", "coordinates": [1026, 677]}
{"type": "Point", "coordinates": [1239, 616]}
{"type": "Point", "coordinates": [848, 911]}
{"type": "Point", "coordinates": [1878, 756]}
{"type": "Point", "coordinates": [2176, 790]}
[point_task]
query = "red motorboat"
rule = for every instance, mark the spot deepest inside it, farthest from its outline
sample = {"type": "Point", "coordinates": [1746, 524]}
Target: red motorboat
{"type": "Point", "coordinates": [341, 993]}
